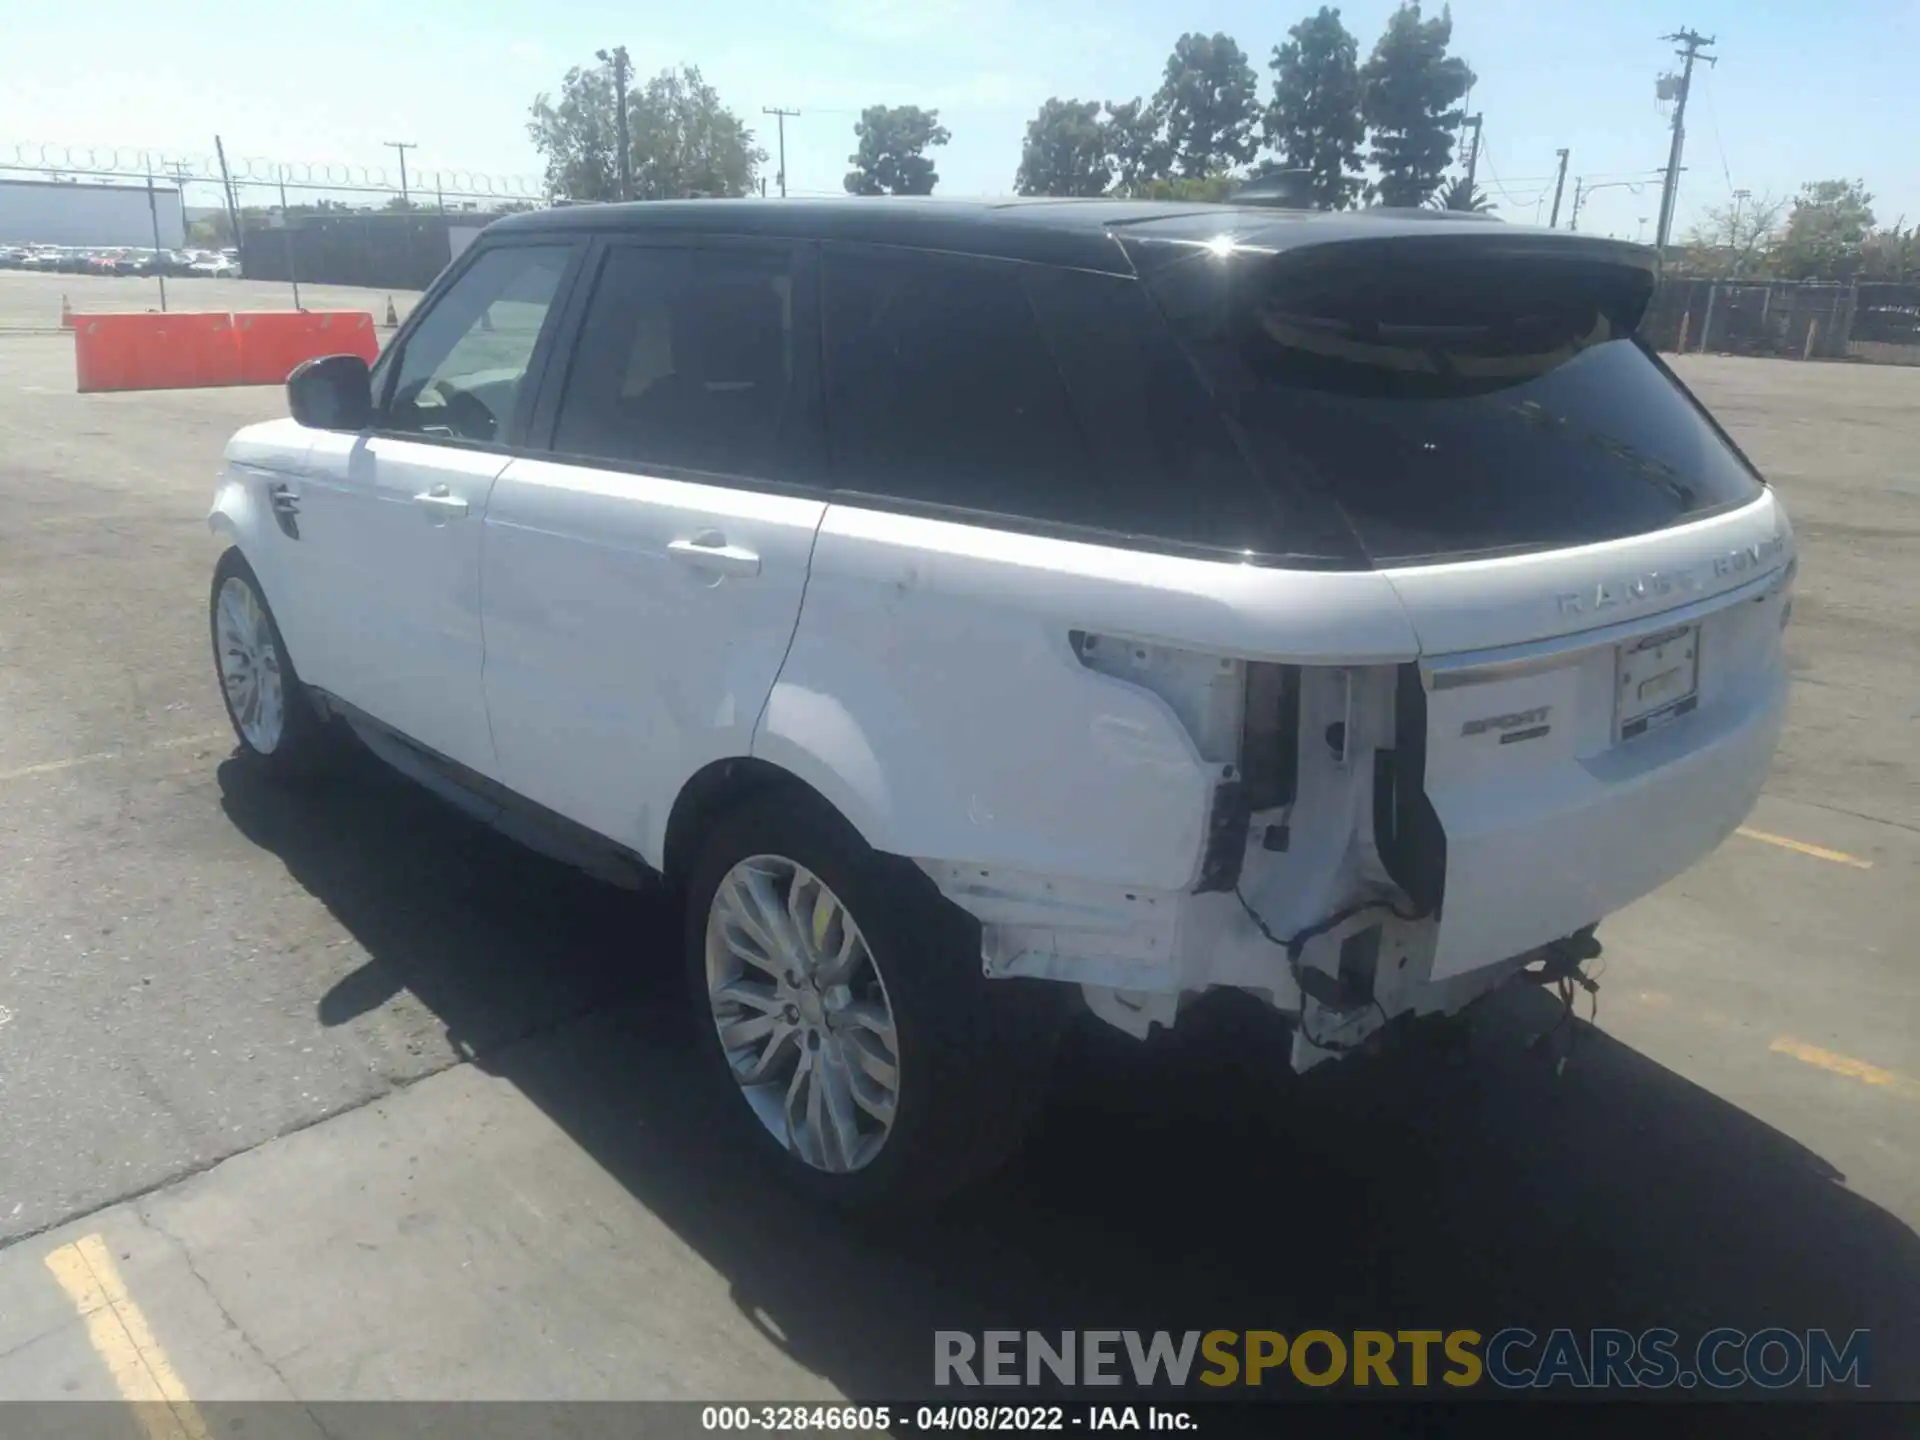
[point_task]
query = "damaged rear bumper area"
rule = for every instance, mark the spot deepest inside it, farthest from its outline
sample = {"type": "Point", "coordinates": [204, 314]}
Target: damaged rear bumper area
{"type": "Point", "coordinates": [1376, 848]}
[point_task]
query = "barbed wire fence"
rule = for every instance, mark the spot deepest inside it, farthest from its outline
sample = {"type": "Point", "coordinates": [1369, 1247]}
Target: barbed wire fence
{"type": "Point", "coordinates": [239, 173]}
{"type": "Point", "coordinates": [378, 226]}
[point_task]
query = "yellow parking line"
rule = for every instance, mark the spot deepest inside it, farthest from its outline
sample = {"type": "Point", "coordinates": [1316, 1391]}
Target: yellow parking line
{"type": "Point", "coordinates": [119, 1332]}
{"type": "Point", "coordinates": [1842, 1064]}
{"type": "Point", "coordinates": [51, 767]}
{"type": "Point", "coordinates": [1819, 852]}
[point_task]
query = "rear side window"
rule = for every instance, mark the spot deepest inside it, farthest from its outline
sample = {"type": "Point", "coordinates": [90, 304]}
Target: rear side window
{"type": "Point", "coordinates": [1035, 393]}
{"type": "Point", "coordinates": [941, 388]}
{"type": "Point", "coordinates": [685, 361]}
{"type": "Point", "coordinates": [1448, 405]}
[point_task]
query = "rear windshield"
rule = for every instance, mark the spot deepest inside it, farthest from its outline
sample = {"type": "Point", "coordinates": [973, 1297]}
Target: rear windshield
{"type": "Point", "coordinates": [1448, 405]}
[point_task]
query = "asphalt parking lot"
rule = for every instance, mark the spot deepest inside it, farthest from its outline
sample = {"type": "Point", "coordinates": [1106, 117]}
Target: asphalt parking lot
{"type": "Point", "coordinates": [363, 1103]}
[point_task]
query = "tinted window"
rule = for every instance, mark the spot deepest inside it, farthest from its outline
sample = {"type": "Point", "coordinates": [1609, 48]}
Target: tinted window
{"type": "Point", "coordinates": [460, 372]}
{"type": "Point", "coordinates": [941, 387]}
{"type": "Point", "coordinates": [686, 360]}
{"type": "Point", "coordinates": [1447, 405]}
{"type": "Point", "coordinates": [1167, 467]}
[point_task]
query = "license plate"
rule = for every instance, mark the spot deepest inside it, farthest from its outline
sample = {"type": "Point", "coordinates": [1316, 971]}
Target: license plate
{"type": "Point", "coordinates": [1658, 681]}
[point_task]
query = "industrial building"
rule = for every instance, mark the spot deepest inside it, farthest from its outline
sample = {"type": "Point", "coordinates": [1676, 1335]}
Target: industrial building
{"type": "Point", "coordinates": [84, 214]}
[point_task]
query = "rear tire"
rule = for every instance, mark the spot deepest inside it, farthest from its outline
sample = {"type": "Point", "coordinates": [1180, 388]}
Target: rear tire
{"type": "Point", "coordinates": [900, 1077]}
{"type": "Point", "coordinates": [279, 727]}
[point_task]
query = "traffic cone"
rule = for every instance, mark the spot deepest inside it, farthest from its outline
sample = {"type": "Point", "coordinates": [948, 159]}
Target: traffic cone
{"type": "Point", "coordinates": [66, 314]}
{"type": "Point", "coordinates": [393, 317]}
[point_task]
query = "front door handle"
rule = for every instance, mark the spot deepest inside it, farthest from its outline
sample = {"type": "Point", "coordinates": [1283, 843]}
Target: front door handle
{"type": "Point", "coordinates": [441, 504]}
{"type": "Point", "coordinates": [709, 551]}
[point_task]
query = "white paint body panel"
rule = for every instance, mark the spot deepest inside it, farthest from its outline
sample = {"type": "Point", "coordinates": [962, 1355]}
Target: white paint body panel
{"type": "Point", "coordinates": [616, 669]}
{"type": "Point", "coordinates": [400, 584]}
{"type": "Point", "coordinates": [1557, 832]}
{"type": "Point", "coordinates": [259, 457]}
{"type": "Point", "coordinates": [931, 692]}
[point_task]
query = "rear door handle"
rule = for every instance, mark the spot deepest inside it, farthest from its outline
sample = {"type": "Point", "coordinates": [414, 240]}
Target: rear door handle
{"type": "Point", "coordinates": [441, 504]}
{"type": "Point", "coordinates": [710, 551]}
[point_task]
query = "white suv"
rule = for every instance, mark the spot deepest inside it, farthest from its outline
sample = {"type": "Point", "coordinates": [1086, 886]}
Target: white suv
{"type": "Point", "coordinates": [973, 608]}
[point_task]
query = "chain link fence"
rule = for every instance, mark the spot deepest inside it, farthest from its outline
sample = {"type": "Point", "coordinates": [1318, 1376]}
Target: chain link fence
{"type": "Point", "coordinates": [1799, 320]}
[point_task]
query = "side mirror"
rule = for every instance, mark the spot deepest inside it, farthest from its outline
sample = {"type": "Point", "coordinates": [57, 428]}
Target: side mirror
{"type": "Point", "coordinates": [333, 392]}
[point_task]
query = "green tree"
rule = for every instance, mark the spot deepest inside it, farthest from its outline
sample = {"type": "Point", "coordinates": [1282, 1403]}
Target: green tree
{"type": "Point", "coordinates": [1458, 194]}
{"type": "Point", "coordinates": [892, 157]}
{"type": "Point", "coordinates": [1068, 151]}
{"type": "Point", "coordinates": [1410, 93]}
{"type": "Point", "coordinates": [577, 136]}
{"type": "Point", "coordinates": [1891, 254]}
{"type": "Point", "coordinates": [684, 142]}
{"type": "Point", "coordinates": [1826, 232]}
{"type": "Point", "coordinates": [1210, 98]}
{"type": "Point", "coordinates": [1731, 240]}
{"type": "Point", "coordinates": [1314, 121]}
{"type": "Point", "coordinates": [1137, 139]}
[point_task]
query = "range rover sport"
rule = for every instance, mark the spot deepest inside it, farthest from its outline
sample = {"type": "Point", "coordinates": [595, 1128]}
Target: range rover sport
{"type": "Point", "coordinates": [978, 609]}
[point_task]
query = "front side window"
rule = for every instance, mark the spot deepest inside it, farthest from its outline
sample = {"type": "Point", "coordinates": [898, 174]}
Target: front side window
{"type": "Point", "coordinates": [460, 373]}
{"type": "Point", "coordinates": [686, 361]}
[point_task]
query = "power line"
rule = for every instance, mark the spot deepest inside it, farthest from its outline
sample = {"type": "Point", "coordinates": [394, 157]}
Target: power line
{"type": "Point", "coordinates": [1713, 119]}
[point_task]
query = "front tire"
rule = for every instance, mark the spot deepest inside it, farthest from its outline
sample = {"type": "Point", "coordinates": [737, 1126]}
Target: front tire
{"type": "Point", "coordinates": [273, 717]}
{"type": "Point", "coordinates": [839, 1000]}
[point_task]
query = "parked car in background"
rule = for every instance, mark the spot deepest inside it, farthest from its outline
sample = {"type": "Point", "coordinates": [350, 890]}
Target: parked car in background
{"type": "Point", "coordinates": [217, 267]}
{"type": "Point", "coordinates": [13, 257]}
{"type": "Point", "coordinates": [977, 610]}
{"type": "Point", "coordinates": [101, 262]}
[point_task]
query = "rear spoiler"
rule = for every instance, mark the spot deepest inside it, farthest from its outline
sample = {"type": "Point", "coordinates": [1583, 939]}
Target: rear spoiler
{"type": "Point", "coordinates": [1367, 261]}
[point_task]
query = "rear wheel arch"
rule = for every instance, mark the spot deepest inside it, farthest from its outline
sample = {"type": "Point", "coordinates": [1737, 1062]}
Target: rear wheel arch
{"type": "Point", "coordinates": [719, 788]}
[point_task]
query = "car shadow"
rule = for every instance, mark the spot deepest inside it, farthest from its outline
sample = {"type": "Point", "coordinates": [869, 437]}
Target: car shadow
{"type": "Point", "coordinates": [1189, 1183]}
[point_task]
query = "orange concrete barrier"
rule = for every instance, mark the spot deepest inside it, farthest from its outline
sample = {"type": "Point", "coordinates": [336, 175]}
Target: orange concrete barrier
{"type": "Point", "coordinates": [272, 343]}
{"type": "Point", "coordinates": [189, 350]}
{"type": "Point", "coordinates": [154, 352]}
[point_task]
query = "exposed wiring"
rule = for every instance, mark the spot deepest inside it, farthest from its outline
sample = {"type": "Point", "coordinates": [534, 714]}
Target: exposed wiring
{"type": "Point", "coordinates": [1295, 944]}
{"type": "Point", "coordinates": [1560, 968]}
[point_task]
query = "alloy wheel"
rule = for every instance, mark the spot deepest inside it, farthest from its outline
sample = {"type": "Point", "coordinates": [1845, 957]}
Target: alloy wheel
{"type": "Point", "coordinates": [249, 665]}
{"type": "Point", "coordinates": [802, 1013]}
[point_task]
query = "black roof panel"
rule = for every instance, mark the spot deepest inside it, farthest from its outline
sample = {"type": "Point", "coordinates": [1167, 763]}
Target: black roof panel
{"type": "Point", "coordinates": [1081, 233]}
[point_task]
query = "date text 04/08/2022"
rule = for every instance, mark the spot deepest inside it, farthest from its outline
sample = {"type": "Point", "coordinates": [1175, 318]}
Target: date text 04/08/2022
{"type": "Point", "coordinates": [870, 1419]}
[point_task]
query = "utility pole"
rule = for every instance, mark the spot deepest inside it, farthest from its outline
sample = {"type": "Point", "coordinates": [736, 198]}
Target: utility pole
{"type": "Point", "coordinates": [286, 237]}
{"type": "Point", "coordinates": [1559, 185]}
{"type": "Point", "coordinates": [159, 260]}
{"type": "Point", "coordinates": [1473, 153]}
{"type": "Point", "coordinates": [233, 203]}
{"type": "Point", "coordinates": [406, 201]}
{"type": "Point", "coordinates": [1579, 188]}
{"type": "Point", "coordinates": [1669, 87]}
{"type": "Point", "coordinates": [621, 71]}
{"type": "Point", "coordinates": [782, 114]}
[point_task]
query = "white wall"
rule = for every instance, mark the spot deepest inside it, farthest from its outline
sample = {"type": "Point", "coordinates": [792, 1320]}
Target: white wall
{"type": "Point", "coordinates": [34, 212]}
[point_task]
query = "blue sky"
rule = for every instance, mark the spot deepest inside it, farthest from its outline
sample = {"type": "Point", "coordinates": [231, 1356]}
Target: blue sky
{"type": "Point", "coordinates": [1803, 91]}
